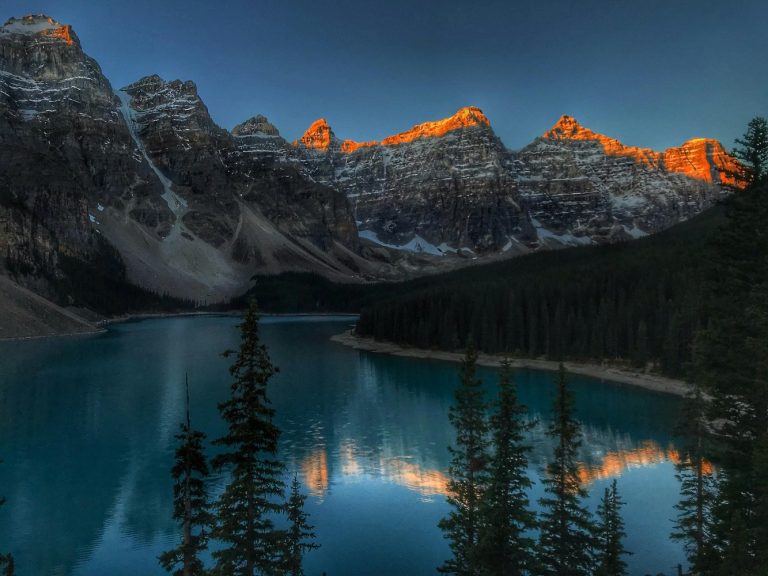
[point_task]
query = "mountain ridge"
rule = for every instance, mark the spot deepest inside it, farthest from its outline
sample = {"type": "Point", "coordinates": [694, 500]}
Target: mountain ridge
{"type": "Point", "coordinates": [146, 179]}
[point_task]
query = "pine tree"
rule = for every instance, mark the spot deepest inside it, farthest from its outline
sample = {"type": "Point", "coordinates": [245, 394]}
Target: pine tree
{"type": "Point", "coordinates": [505, 546]}
{"type": "Point", "coordinates": [468, 472]}
{"type": "Point", "coordinates": [8, 565]}
{"type": "Point", "coordinates": [730, 360]}
{"type": "Point", "coordinates": [190, 502]}
{"type": "Point", "coordinates": [246, 509]}
{"type": "Point", "coordinates": [752, 151]}
{"type": "Point", "coordinates": [300, 535]}
{"type": "Point", "coordinates": [566, 532]}
{"type": "Point", "coordinates": [610, 535]}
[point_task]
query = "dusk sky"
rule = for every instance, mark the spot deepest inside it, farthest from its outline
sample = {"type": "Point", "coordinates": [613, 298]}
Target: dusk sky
{"type": "Point", "coordinates": [652, 73]}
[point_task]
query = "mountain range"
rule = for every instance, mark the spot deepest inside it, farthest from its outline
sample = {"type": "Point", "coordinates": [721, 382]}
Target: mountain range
{"type": "Point", "coordinates": [141, 182]}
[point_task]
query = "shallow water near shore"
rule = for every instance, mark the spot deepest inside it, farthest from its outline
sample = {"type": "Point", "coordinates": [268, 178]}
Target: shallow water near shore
{"type": "Point", "coordinates": [87, 426]}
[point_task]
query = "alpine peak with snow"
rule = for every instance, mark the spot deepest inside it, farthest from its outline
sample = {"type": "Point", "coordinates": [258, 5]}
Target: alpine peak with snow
{"type": "Point", "coordinates": [142, 182]}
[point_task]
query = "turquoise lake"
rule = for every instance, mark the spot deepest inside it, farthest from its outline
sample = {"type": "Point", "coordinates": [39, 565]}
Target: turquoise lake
{"type": "Point", "coordinates": [87, 430]}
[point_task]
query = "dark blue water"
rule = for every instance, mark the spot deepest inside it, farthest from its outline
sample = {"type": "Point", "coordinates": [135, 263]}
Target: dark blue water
{"type": "Point", "coordinates": [87, 425]}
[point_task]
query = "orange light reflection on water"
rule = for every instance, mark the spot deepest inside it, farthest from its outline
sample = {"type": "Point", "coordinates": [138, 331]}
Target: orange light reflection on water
{"type": "Point", "coordinates": [428, 481]}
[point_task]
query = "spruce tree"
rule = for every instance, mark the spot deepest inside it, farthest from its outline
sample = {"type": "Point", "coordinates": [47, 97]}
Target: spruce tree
{"type": "Point", "coordinates": [252, 497]}
{"type": "Point", "coordinates": [505, 545]}
{"type": "Point", "coordinates": [468, 472]}
{"type": "Point", "coordinates": [730, 361]}
{"type": "Point", "coordinates": [300, 535]}
{"type": "Point", "coordinates": [752, 152]}
{"type": "Point", "coordinates": [610, 535]}
{"type": "Point", "coordinates": [190, 502]}
{"type": "Point", "coordinates": [566, 532]}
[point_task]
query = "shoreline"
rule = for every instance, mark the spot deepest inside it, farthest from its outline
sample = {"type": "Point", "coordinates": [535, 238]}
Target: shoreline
{"type": "Point", "coordinates": [101, 326]}
{"type": "Point", "coordinates": [651, 382]}
{"type": "Point", "coordinates": [96, 330]}
{"type": "Point", "coordinates": [158, 315]}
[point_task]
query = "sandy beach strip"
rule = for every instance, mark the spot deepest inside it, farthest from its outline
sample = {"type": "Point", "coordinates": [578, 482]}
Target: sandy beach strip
{"type": "Point", "coordinates": [653, 382]}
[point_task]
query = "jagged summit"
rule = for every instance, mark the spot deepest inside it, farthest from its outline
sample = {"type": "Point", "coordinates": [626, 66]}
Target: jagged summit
{"type": "Point", "coordinates": [156, 82]}
{"type": "Point", "coordinates": [257, 125]}
{"type": "Point", "coordinates": [567, 127]}
{"type": "Point", "coordinates": [698, 158]}
{"type": "Point", "coordinates": [39, 25]}
{"type": "Point", "coordinates": [149, 79]}
{"type": "Point", "coordinates": [463, 118]}
{"type": "Point", "coordinates": [319, 135]}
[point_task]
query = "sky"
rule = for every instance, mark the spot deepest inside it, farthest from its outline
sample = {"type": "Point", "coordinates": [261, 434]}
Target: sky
{"type": "Point", "coordinates": [650, 73]}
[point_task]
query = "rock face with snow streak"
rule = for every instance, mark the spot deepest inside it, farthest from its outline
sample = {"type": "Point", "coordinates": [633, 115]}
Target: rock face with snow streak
{"type": "Point", "coordinates": [65, 151]}
{"type": "Point", "coordinates": [182, 140]}
{"type": "Point", "coordinates": [450, 185]}
{"type": "Point", "coordinates": [216, 175]}
{"type": "Point", "coordinates": [446, 182]}
{"type": "Point", "coordinates": [583, 187]}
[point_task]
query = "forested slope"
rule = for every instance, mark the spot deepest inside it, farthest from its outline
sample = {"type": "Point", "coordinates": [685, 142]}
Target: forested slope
{"type": "Point", "coordinates": [637, 302]}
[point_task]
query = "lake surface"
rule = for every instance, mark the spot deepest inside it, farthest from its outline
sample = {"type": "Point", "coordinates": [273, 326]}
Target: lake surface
{"type": "Point", "coordinates": [87, 430]}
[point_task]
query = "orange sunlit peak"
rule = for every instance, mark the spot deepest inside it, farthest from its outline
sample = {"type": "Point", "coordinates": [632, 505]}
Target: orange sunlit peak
{"type": "Point", "coordinates": [463, 118]}
{"type": "Point", "coordinates": [699, 158]}
{"type": "Point", "coordinates": [704, 159]}
{"type": "Point", "coordinates": [566, 125]}
{"type": "Point", "coordinates": [64, 32]}
{"type": "Point", "coordinates": [318, 136]}
{"type": "Point", "coordinates": [568, 128]}
{"type": "Point", "coordinates": [40, 25]}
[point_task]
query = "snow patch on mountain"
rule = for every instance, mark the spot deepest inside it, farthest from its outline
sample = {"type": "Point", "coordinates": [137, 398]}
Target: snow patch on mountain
{"type": "Point", "coordinates": [29, 25]}
{"type": "Point", "coordinates": [416, 245]}
{"type": "Point", "coordinates": [566, 238]}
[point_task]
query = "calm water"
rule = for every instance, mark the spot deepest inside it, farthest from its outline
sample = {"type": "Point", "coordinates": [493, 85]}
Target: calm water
{"type": "Point", "coordinates": [87, 425]}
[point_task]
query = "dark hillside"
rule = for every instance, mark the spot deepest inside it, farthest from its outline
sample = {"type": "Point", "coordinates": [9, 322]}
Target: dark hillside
{"type": "Point", "coordinates": [635, 302]}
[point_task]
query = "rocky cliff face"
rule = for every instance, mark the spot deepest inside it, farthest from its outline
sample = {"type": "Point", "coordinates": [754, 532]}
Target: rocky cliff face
{"type": "Point", "coordinates": [64, 148]}
{"type": "Point", "coordinates": [582, 187]}
{"type": "Point", "coordinates": [450, 186]}
{"type": "Point", "coordinates": [183, 142]}
{"type": "Point", "coordinates": [442, 186]}
{"type": "Point", "coordinates": [237, 210]}
{"type": "Point", "coordinates": [270, 177]}
{"type": "Point", "coordinates": [189, 208]}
